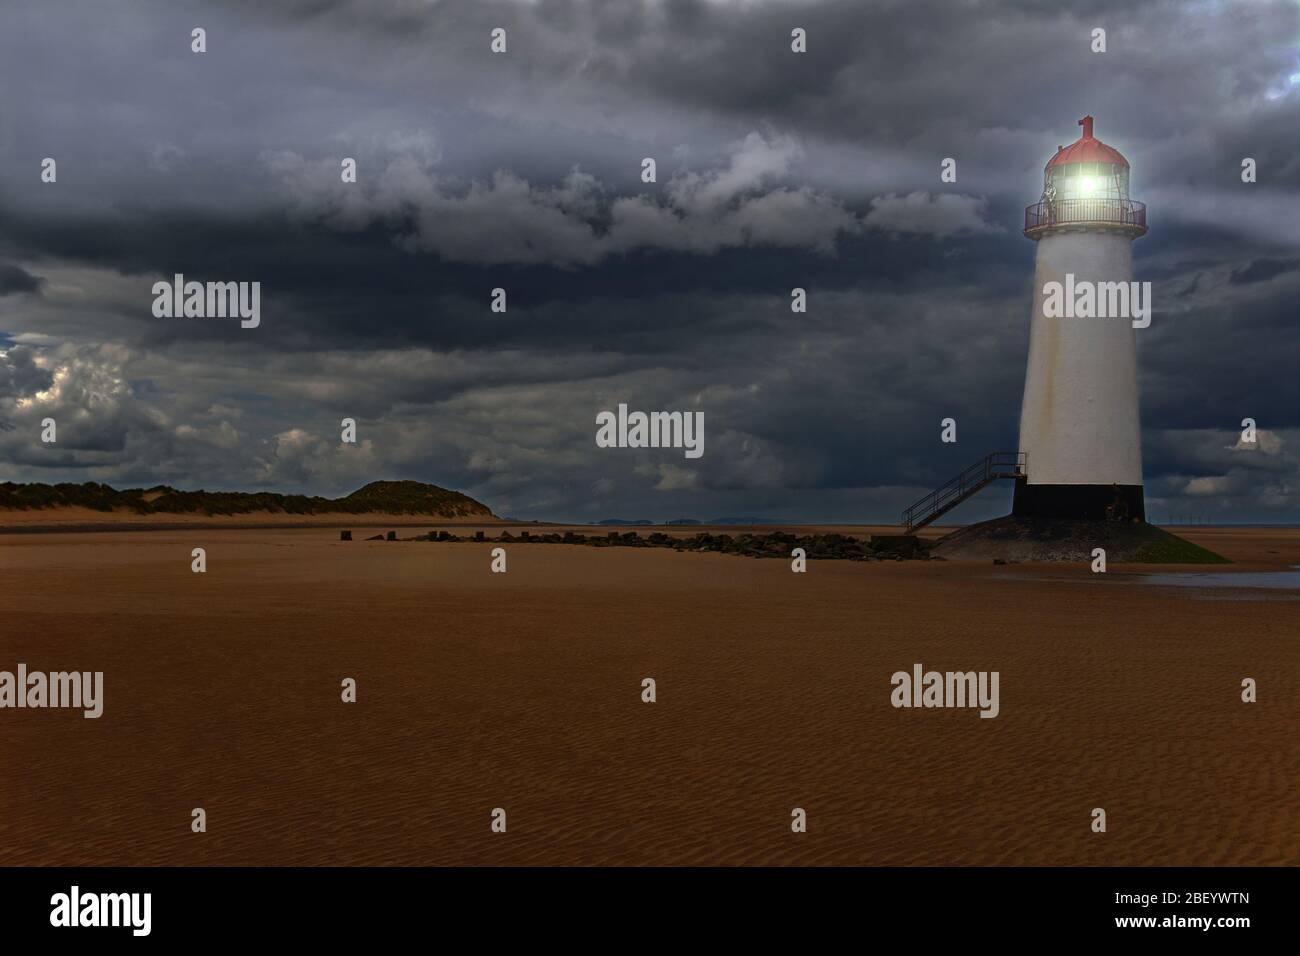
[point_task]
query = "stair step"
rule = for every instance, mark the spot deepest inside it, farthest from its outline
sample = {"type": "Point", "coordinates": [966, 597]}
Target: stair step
{"type": "Point", "coordinates": [990, 468]}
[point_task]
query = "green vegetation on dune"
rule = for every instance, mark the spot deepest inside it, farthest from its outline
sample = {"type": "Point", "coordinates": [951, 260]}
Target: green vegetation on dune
{"type": "Point", "coordinates": [1175, 550]}
{"type": "Point", "coordinates": [413, 497]}
{"type": "Point", "coordinates": [385, 497]}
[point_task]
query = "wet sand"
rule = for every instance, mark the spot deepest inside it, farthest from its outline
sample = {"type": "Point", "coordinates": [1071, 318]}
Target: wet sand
{"type": "Point", "coordinates": [522, 691]}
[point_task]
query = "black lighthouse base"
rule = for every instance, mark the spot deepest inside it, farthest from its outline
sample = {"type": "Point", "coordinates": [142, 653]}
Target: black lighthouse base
{"type": "Point", "coordinates": [1094, 502]}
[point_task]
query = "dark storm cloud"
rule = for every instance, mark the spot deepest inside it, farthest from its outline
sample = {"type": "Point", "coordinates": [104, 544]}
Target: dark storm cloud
{"type": "Point", "coordinates": [1261, 270]}
{"type": "Point", "coordinates": [967, 77]}
{"type": "Point", "coordinates": [14, 279]}
{"type": "Point", "coordinates": [20, 375]}
{"type": "Point", "coordinates": [522, 170]}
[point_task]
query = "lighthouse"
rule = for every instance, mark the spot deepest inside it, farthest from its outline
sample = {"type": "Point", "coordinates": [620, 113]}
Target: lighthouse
{"type": "Point", "coordinates": [1079, 430]}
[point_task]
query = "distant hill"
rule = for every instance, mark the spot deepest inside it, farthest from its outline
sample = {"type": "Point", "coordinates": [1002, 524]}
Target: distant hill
{"type": "Point", "coordinates": [382, 497]}
{"type": "Point", "coordinates": [744, 522]}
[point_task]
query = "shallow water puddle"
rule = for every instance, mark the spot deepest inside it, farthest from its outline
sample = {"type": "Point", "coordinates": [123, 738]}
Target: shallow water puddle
{"type": "Point", "coordinates": [1221, 579]}
{"type": "Point", "coordinates": [1233, 586]}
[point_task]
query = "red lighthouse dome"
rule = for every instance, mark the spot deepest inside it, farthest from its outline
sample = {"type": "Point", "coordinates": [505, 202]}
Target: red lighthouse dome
{"type": "Point", "coordinates": [1087, 149]}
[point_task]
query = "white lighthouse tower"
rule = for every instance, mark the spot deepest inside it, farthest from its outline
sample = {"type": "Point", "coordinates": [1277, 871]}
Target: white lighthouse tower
{"type": "Point", "coordinates": [1079, 428]}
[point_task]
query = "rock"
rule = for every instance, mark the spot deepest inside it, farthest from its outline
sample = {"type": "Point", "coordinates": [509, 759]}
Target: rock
{"type": "Point", "coordinates": [902, 544]}
{"type": "Point", "coordinates": [778, 544]}
{"type": "Point", "coordinates": [345, 535]}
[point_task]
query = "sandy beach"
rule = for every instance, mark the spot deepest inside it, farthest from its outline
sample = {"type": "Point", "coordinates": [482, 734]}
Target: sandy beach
{"type": "Point", "coordinates": [523, 691]}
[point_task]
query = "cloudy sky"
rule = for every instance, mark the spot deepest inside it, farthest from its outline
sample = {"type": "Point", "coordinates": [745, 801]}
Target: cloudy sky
{"type": "Point", "coordinates": [522, 171]}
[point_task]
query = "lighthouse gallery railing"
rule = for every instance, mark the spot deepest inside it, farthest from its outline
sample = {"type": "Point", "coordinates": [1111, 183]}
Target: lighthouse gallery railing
{"type": "Point", "coordinates": [1107, 212]}
{"type": "Point", "coordinates": [1000, 464]}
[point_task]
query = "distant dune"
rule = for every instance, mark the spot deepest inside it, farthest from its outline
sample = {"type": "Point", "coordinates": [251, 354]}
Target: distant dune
{"type": "Point", "coordinates": [690, 521]}
{"type": "Point", "coordinates": [93, 503]}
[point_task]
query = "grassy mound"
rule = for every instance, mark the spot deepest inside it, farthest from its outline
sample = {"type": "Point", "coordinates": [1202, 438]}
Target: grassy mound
{"type": "Point", "coordinates": [411, 497]}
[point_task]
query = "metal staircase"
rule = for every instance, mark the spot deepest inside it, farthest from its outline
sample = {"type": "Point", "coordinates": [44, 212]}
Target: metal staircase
{"type": "Point", "coordinates": [1000, 464]}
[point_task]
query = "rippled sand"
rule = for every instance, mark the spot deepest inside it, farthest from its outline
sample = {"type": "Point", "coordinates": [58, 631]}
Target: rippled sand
{"type": "Point", "coordinates": [522, 691]}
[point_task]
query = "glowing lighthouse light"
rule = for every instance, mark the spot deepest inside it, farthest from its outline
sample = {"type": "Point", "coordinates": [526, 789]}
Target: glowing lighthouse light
{"type": "Point", "coordinates": [1079, 426]}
